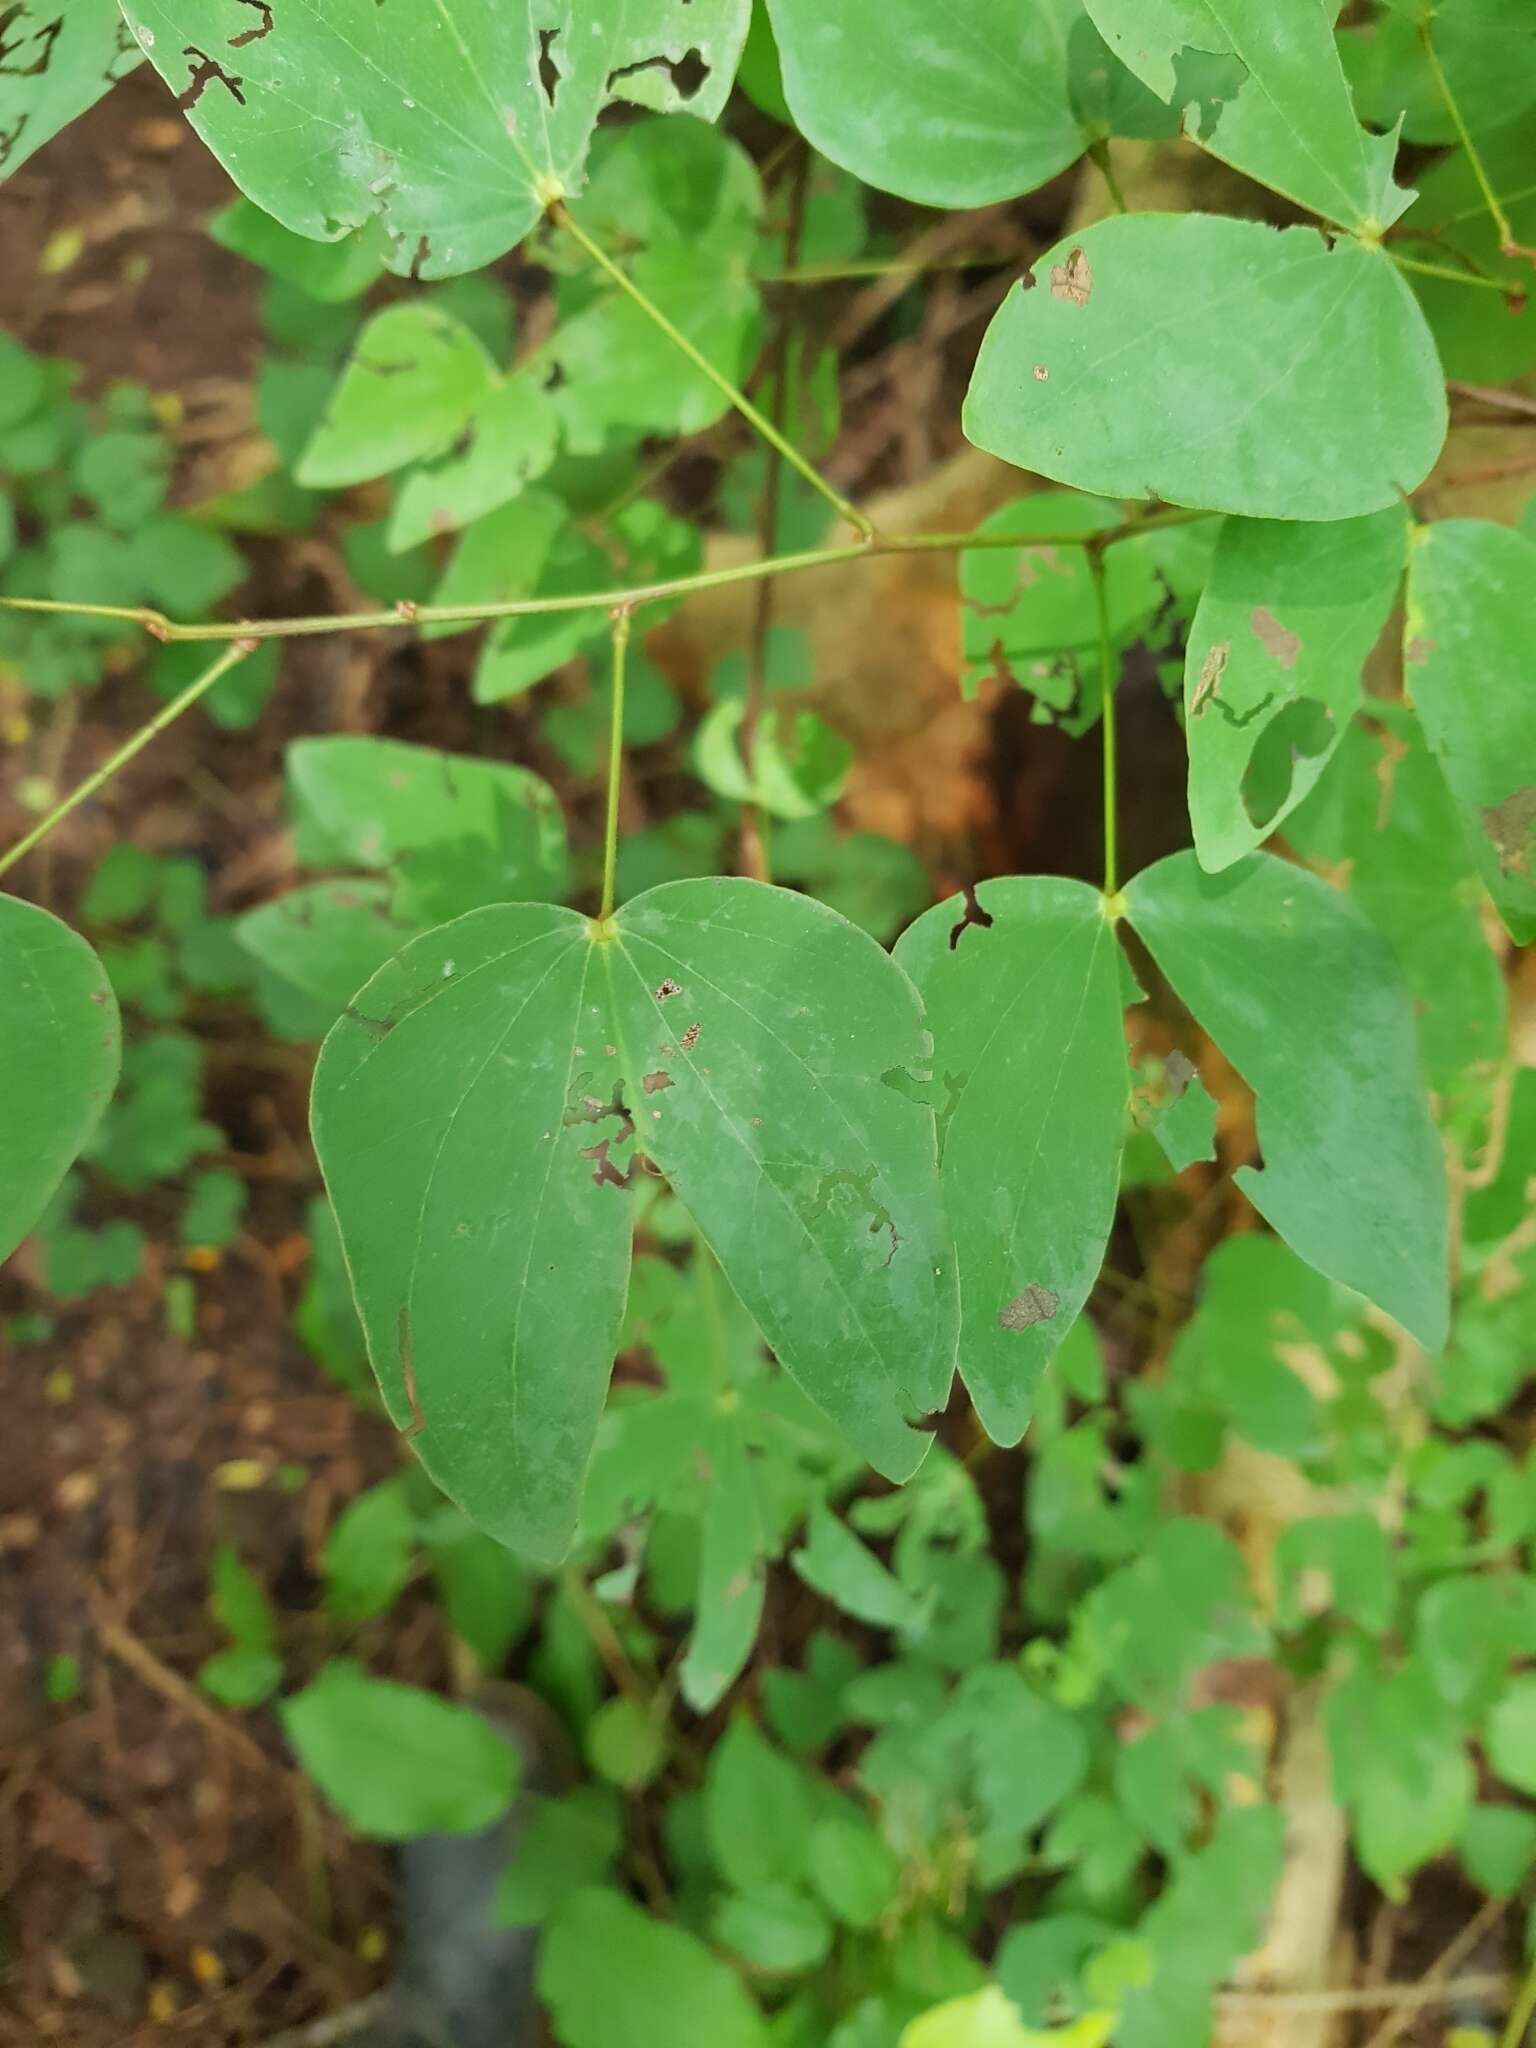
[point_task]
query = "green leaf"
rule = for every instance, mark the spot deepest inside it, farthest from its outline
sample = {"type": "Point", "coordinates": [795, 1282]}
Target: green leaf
{"type": "Point", "coordinates": [241, 1678]}
{"type": "Point", "coordinates": [625, 1743]}
{"type": "Point", "coordinates": [753, 1026]}
{"type": "Point", "coordinates": [398, 1762]}
{"type": "Point", "coordinates": [1029, 1062]}
{"type": "Point", "coordinates": [1246, 339]}
{"type": "Point", "coordinates": [1262, 87]}
{"type": "Point", "coordinates": [847, 1572]}
{"type": "Point", "coordinates": [216, 1202]}
{"type": "Point", "coordinates": [458, 832]}
{"type": "Point", "coordinates": [370, 1553]}
{"type": "Point", "coordinates": [948, 110]}
{"type": "Point", "coordinates": [1274, 666]}
{"type": "Point", "coordinates": [58, 62]}
{"type": "Point", "coordinates": [1497, 1848]}
{"type": "Point", "coordinates": [1486, 49]}
{"type": "Point", "coordinates": [330, 272]}
{"type": "Point", "coordinates": [485, 1593]}
{"type": "Point", "coordinates": [455, 127]}
{"type": "Point", "coordinates": [1303, 997]}
{"type": "Point", "coordinates": [853, 1870]}
{"type": "Point", "coordinates": [328, 938]}
{"type": "Point", "coordinates": [757, 1810]}
{"type": "Point", "coordinates": [658, 1987]}
{"type": "Point", "coordinates": [1511, 1735]}
{"type": "Point", "coordinates": [237, 1602]}
{"type": "Point", "coordinates": [800, 765]}
{"type": "Point", "coordinates": [510, 438]}
{"type": "Point", "coordinates": [569, 1843]}
{"type": "Point", "coordinates": [1384, 821]}
{"type": "Point", "coordinates": [776, 1929]}
{"type": "Point", "coordinates": [60, 1049]}
{"type": "Point", "coordinates": [452, 1120]}
{"type": "Point", "coordinates": [732, 1578]}
{"type": "Point", "coordinates": [1477, 339]}
{"type": "Point", "coordinates": [412, 384]}
{"type": "Point", "coordinates": [1400, 1763]}
{"type": "Point", "coordinates": [1467, 670]}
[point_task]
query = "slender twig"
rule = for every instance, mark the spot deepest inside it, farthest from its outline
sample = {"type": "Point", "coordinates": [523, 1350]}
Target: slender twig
{"type": "Point", "coordinates": [1453, 276]}
{"type": "Point", "coordinates": [1450, 1958]}
{"type": "Point", "coordinates": [756, 859]}
{"type": "Point", "coordinates": [1508, 246]}
{"type": "Point", "coordinates": [738, 398]}
{"type": "Point", "coordinates": [622, 619]}
{"type": "Point", "coordinates": [167, 715]}
{"type": "Point", "coordinates": [1369, 1997]}
{"type": "Point", "coordinates": [159, 627]}
{"type": "Point", "coordinates": [1513, 2035]}
{"type": "Point", "coordinates": [878, 266]}
{"type": "Point", "coordinates": [246, 634]}
{"type": "Point", "coordinates": [1107, 680]}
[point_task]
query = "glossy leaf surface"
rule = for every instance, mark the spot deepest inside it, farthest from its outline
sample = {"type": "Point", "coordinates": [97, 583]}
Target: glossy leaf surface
{"type": "Point", "coordinates": [1467, 667]}
{"type": "Point", "coordinates": [1262, 86]}
{"type": "Point", "coordinates": [950, 107]}
{"type": "Point", "coordinates": [1273, 673]}
{"type": "Point", "coordinates": [1030, 1068]}
{"type": "Point", "coordinates": [1304, 998]}
{"type": "Point", "coordinates": [60, 1049]}
{"type": "Point", "coordinates": [451, 123]}
{"type": "Point", "coordinates": [1211, 362]}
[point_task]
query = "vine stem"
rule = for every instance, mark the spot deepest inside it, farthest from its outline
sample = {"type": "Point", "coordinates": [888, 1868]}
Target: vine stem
{"type": "Point", "coordinates": [1508, 246]}
{"type": "Point", "coordinates": [859, 521]}
{"type": "Point", "coordinates": [1451, 275]}
{"type": "Point", "coordinates": [247, 634]}
{"type": "Point", "coordinates": [1520, 2017]}
{"type": "Point", "coordinates": [1107, 681]}
{"type": "Point", "coordinates": [159, 627]}
{"type": "Point", "coordinates": [622, 618]}
{"type": "Point", "coordinates": [167, 715]}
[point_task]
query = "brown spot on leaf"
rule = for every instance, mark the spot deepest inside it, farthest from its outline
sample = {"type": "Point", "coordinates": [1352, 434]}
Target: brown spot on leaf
{"type": "Point", "coordinates": [654, 1083]}
{"type": "Point", "coordinates": [690, 1038]}
{"type": "Point", "coordinates": [408, 1374]}
{"type": "Point", "coordinates": [1511, 826]}
{"type": "Point", "coordinates": [1041, 373]}
{"type": "Point", "coordinates": [1034, 1305]}
{"type": "Point", "coordinates": [1418, 651]}
{"type": "Point", "coordinates": [1212, 669]}
{"type": "Point", "coordinates": [1073, 280]}
{"type": "Point", "coordinates": [1277, 640]}
{"type": "Point", "coordinates": [668, 988]}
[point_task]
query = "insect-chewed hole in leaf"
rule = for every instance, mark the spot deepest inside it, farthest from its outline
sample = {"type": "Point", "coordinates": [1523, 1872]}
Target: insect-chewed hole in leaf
{"type": "Point", "coordinates": [1033, 1305]}
{"type": "Point", "coordinates": [1300, 732]}
{"type": "Point", "coordinates": [262, 29]}
{"type": "Point", "coordinates": [549, 71]}
{"type": "Point", "coordinates": [687, 72]}
{"type": "Point", "coordinates": [1203, 82]}
{"type": "Point", "coordinates": [974, 914]}
{"type": "Point", "coordinates": [205, 70]}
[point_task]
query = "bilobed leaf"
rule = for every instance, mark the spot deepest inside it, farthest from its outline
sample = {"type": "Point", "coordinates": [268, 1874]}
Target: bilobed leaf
{"type": "Point", "coordinates": [658, 1986]}
{"type": "Point", "coordinates": [1262, 87]}
{"type": "Point", "coordinates": [753, 1026]}
{"type": "Point", "coordinates": [58, 61]}
{"type": "Point", "coordinates": [474, 1112]}
{"type": "Point", "coordinates": [1467, 669]}
{"type": "Point", "coordinates": [1030, 1071]}
{"type": "Point", "coordinates": [1305, 1000]}
{"type": "Point", "coordinates": [411, 385]}
{"type": "Point", "coordinates": [1273, 672]}
{"type": "Point", "coordinates": [1210, 362]}
{"type": "Point", "coordinates": [396, 1761]}
{"type": "Point", "coordinates": [454, 124]}
{"type": "Point", "coordinates": [949, 107]}
{"type": "Point", "coordinates": [60, 1050]}
{"type": "Point", "coordinates": [454, 1105]}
